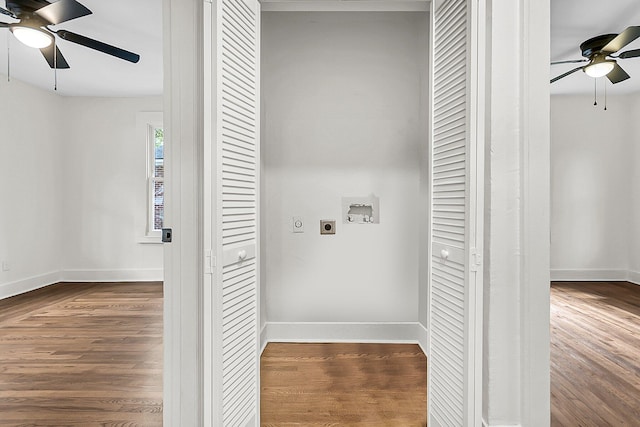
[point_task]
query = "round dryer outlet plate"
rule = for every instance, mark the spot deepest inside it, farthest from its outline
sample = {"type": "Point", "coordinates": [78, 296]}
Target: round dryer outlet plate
{"type": "Point", "coordinates": [327, 226]}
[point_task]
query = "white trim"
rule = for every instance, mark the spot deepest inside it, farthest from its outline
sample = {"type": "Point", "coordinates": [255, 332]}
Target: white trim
{"type": "Point", "coordinates": [423, 338]}
{"type": "Point", "coordinates": [149, 240]}
{"type": "Point", "coordinates": [486, 424]}
{"type": "Point", "coordinates": [634, 277]}
{"type": "Point", "coordinates": [209, 336]}
{"type": "Point", "coordinates": [146, 123]}
{"type": "Point", "coordinates": [121, 275]}
{"type": "Point", "coordinates": [534, 196]}
{"type": "Point", "coordinates": [258, 83]}
{"type": "Point", "coordinates": [29, 284]}
{"type": "Point", "coordinates": [345, 6]}
{"type": "Point", "coordinates": [183, 258]}
{"type": "Point", "coordinates": [263, 338]}
{"type": "Point", "coordinates": [357, 332]}
{"type": "Point", "coordinates": [591, 275]}
{"type": "Point", "coordinates": [475, 250]}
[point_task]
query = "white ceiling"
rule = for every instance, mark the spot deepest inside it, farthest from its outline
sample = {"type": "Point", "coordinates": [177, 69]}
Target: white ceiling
{"type": "Point", "coordinates": [136, 25]}
{"type": "Point", "coordinates": [133, 25]}
{"type": "Point", "coordinates": [574, 21]}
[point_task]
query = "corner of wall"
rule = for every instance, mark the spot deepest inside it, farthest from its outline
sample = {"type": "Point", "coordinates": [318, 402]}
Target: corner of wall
{"type": "Point", "coordinates": [28, 284]}
{"type": "Point", "coordinates": [634, 277]}
{"type": "Point", "coordinates": [263, 338]}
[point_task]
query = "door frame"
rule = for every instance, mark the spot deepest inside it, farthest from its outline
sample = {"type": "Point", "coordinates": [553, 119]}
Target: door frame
{"type": "Point", "coordinates": [184, 365]}
{"type": "Point", "coordinates": [183, 267]}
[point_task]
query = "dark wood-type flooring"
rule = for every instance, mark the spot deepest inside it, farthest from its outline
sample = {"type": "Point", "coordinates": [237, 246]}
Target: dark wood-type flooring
{"type": "Point", "coordinates": [82, 355]}
{"type": "Point", "coordinates": [343, 385]}
{"type": "Point", "coordinates": [595, 354]}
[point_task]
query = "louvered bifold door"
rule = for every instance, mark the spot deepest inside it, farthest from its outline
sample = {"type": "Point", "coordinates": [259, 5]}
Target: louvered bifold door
{"type": "Point", "coordinates": [238, 154]}
{"type": "Point", "coordinates": [452, 316]}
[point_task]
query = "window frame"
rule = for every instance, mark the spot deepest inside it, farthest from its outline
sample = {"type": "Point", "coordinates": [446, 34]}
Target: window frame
{"type": "Point", "coordinates": [148, 122]}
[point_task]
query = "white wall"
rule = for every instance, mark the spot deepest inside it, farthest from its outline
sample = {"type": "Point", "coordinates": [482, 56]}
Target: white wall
{"type": "Point", "coordinates": [73, 189]}
{"type": "Point", "coordinates": [105, 191]}
{"type": "Point", "coordinates": [341, 117]}
{"type": "Point", "coordinates": [424, 199]}
{"type": "Point", "coordinates": [634, 246]}
{"type": "Point", "coordinates": [31, 166]}
{"type": "Point", "coordinates": [592, 193]}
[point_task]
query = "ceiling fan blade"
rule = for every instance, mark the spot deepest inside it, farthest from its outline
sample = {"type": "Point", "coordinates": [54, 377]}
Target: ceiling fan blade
{"type": "Point", "coordinates": [571, 61]}
{"type": "Point", "coordinates": [630, 54]}
{"type": "Point", "coordinates": [62, 11]}
{"type": "Point", "coordinates": [99, 46]}
{"type": "Point", "coordinates": [566, 74]}
{"type": "Point", "coordinates": [7, 12]}
{"type": "Point", "coordinates": [617, 75]}
{"type": "Point", "coordinates": [622, 39]}
{"type": "Point", "coordinates": [60, 62]}
{"type": "Point", "coordinates": [4, 25]}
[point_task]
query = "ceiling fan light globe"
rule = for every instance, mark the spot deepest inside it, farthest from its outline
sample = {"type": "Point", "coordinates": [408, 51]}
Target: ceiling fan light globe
{"type": "Point", "coordinates": [599, 69]}
{"type": "Point", "coordinates": [32, 37]}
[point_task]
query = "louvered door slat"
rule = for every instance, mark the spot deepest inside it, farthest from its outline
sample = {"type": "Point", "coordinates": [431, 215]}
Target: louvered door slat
{"type": "Point", "coordinates": [448, 391]}
{"type": "Point", "coordinates": [237, 163]}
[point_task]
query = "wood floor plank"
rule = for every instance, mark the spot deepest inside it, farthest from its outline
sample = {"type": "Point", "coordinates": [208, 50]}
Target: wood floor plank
{"type": "Point", "coordinates": [595, 369]}
{"type": "Point", "coordinates": [82, 355]}
{"type": "Point", "coordinates": [343, 385]}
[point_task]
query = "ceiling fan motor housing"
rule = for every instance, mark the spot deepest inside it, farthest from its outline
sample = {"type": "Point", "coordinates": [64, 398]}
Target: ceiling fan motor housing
{"type": "Point", "coordinates": [595, 44]}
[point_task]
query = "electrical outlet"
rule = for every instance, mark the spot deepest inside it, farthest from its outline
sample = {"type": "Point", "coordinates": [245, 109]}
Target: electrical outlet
{"type": "Point", "coordinates": [5, 266]}
{"type": "Point", "coordinates": [327, 226]}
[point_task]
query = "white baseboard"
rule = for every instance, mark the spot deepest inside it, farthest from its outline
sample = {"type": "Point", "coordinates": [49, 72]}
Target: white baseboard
{"type": "Point", "coordinates": [591, 275]}
{"type": "Point", "coordinates": [634, 277]}
{"type": "Point", "coordinates": [29, 284]}
{"type": "Point", "coordinates": [486, 424]}
{"type": "Point", "coordinates": [129, 275]}
{"type": "Point", "coordinates": [364, 332]}
{"type": "Point", "coordinates": [36, 282]}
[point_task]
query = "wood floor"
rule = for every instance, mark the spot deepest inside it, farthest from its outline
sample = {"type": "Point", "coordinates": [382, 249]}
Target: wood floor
{"type": "Point", "coordinates": [595, 354]}
{"type": "Point", "coordinates": [343, 385]}
{"type": "Point", "coordinates": [91, 355]}
{"type": "Point", "coordinates": [82, 355]}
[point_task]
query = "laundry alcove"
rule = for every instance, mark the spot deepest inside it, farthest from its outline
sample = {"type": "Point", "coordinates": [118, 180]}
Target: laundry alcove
{"type": "Point", "coordinates": [344, 114]}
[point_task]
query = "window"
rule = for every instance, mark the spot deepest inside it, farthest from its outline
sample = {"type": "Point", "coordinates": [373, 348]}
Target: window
{"type": "Point", "coordinates": [156, 179]}
{"type": "Point", "coordinates": [151, 137]}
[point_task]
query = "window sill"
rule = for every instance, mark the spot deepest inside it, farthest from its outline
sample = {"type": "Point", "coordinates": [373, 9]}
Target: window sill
{"type": "Point", "coordinates": [150, 240]}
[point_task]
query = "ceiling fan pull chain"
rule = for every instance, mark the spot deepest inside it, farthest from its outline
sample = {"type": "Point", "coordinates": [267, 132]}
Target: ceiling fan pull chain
{"type": "Point", "coordinates": [595, 92]}
{"type": "Point", "coordinates": [8, 57]}
{"type": "Point", "coordinates": [605, 96]}
{"type": "Point", "coordinates": [55, 64]}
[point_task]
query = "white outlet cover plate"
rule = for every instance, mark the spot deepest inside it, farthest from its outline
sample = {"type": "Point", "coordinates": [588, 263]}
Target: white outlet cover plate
{"type": "Point", "coordinates": [297, 224]}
